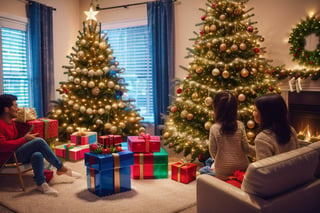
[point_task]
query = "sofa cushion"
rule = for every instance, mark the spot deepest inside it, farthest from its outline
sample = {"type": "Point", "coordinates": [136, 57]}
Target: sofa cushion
{"type": "Point", "coordinates": [316, 146]}
{"type": "Point", "coordinates": [277, 174]}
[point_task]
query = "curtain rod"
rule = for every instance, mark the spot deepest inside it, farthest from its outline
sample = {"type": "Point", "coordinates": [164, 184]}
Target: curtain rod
{"type": "Point", "coordinates": [124, 6]}
{"type": "Point", "coordinates": [29, 2]}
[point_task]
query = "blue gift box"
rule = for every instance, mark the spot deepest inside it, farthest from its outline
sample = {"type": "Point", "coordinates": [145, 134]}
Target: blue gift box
{"type": "Point", "coordinates": [109, 173]}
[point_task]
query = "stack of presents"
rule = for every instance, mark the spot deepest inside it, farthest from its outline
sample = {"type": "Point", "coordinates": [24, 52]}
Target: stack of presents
{"type": "Point", "coordinates": [110, 162]}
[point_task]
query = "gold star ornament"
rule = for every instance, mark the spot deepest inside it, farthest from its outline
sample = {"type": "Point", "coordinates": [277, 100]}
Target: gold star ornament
{"type": "Point", "coordinates": [91, 15]}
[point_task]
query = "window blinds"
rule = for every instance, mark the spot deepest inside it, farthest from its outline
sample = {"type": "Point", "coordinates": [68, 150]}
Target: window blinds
{"type": "Point", "coordinates": [15, 75]}
{"type": "Point", "coordinates": [130, 47]}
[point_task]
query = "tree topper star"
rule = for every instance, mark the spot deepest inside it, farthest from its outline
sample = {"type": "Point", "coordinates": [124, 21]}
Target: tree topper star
{"type": "Point", "coordinates": [91, 14]}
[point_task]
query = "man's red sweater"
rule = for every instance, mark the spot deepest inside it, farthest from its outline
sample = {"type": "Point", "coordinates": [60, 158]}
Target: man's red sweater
{"type": "Point", "coordinates": [9, 140]}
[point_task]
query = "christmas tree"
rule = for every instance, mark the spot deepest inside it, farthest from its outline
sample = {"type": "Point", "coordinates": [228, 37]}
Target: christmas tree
{"type": "Point", "coordinates": [93, 97]}
{"type": "Point", "coordinates": [226, 55]}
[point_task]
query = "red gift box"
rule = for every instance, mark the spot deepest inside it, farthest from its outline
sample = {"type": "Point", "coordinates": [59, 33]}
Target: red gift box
{"type": "Point", "coordinates": [71, 152]}
{"type": "Point", "coordinates": [83, 138]}
{"type": "Point", "coordinates": [107, 140]}
{"type": "Point", "coordinates": [144, 143]}
{"type": "Point", "coordinates": [183, 172]}
{"type": "Point", "coordinates": [47, 128]}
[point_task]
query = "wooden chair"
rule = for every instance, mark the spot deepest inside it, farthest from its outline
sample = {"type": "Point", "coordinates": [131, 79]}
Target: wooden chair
{"type": "Point", "coordinates": [15, 168]}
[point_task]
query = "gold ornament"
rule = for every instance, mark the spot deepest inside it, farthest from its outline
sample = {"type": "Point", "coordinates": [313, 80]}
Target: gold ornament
{"type": "Point", "coordinates": [206, 28]}
{"type": "Point", "coordinates": [184, 114]}
{"type": "Point", "coordinates": [83, 109]}
{"type": "Point", "coordinates": [166, 135]}
{"type": "Point", "coordinates": [241, 97]}
{"type": "Point", "coordinates": [106, 70]}
{"type": "Point", "coordinates": [103, 45]}
{"type": "Point", "coordinates": [250, 124]}
{"type": "Point", "coordinates": [89, 111]}
{"type": "Point", "coordinates": [99, 122]}
{"type": "Point", "coordinates": [208, 101]}
{"type": "Point", "coordinates": [225, 74]}
{"type": "Point", "coordinates": [243, 46]}
{"type": "Point", "coordinates": [234, 48]}
{"type": "Point", "coordinates": [83, 42]}
{"type": "Point", "coordinates": [199, 70]}
{"type": "Point", "coordinates": [113, 129]}
{"type": "Point", "coordinates": [250, 134]}
{"type": "Point", "coordinates": [244, 73]}
{"type": "Point", "coordinates": [76, 107]}
{"type": "Point", "coordinates": [190, 116]}
{"type": "Point", "coordinates": [253, 71]}
{"type": "Point", "coordinates": [101, 111]}
{"type": "Point", "coordinates": [209, 54]}
{"type": "Point", "coordinates": [110, 84]}
{"type": "Point", "coordinates": [213, 28]}
{"type": "Point", "coordinates": [80, 54]}
{"type": "Point", "coordinates": [222, 17]}
{"type": "Point", "coordinates": [107, 126]}
{"type": "Point", "coordinates": [229, 10]}
{"type": "Point", "coordinates": [215, 72]}
{"type": "Point", "coordinates": [84, 71]}
{"type": "Point", "coordinates": [207, 125]}
{"type": "Point", "coordinates": [223, 47]}
{"type": "Point", "coordinates": [70, 129]}
{"type": "Point", "coordinates": [195, 96]}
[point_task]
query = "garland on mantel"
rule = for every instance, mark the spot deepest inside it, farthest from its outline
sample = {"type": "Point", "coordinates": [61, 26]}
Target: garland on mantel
{"type": "Point", "coordinates": [282, 73]}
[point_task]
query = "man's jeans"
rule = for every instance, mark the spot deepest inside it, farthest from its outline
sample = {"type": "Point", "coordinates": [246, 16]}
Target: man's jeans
{"type": "Point", "coordinates": [34, 152]}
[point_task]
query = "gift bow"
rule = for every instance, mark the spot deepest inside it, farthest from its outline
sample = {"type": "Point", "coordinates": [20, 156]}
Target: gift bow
{"type": "Point", "coordinates": [146, 137]}
{"type": "Point", "coordinates": [183, 162]}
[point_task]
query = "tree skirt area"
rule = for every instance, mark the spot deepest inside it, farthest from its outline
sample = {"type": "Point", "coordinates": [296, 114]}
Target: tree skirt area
{"type": "Point", "coordinates": [155, 195]}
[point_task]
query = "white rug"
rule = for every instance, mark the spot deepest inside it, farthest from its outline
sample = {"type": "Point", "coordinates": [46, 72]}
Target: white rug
{"type": "Point", "coordinates": [156, 196]}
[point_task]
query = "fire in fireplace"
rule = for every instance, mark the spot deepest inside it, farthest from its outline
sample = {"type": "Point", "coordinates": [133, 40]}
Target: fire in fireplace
{"type": "Point", "coordinates": [304, 114]}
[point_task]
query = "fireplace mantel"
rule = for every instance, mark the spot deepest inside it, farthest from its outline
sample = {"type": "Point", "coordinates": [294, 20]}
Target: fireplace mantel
{"type": "Point", "coordinates": [306, 84]}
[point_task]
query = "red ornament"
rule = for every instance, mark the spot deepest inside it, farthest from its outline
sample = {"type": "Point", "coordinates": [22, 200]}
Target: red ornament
{"type": "Point", "coordinates": [283, 73]}
{"type": "Point", "coordinates": [201, 32]}
{"type": "Point", "coordinates": [256, 50]}
{"type": "Point", "coordinates": [295, 54]}
{"type": "Point", "coordinates": [106, 151]}
{"type": "Point", "coordinates": [259, 87]}
{"type": "Point", "coordinates": [310, 62]}
{"type": "Point", "coordinates": [116, 63]}
{"type": "Point", "coordinates": [174, 108]}
{"type": "Point", "coordinates": [188, 76]}
{"type": "Point", "coordinates": [119, 148]}
{"type": "Point", "coordinates": [270, 88]}
{"type": "Point", "coordinates": [297, 76]}
{"type": "Point", "coordinates": [214, 5]}
{"type": "Point", "coordinates": [196, 42]}
{"type": "Point", "coordinates": [203, 17]}
{"type": "Point", "coordinates": [272, 71]}
{"type": "Point", "coordinates": [93, 146]}
{"type": "Point", "coordinates": [250, 29]}
{"type": "Point", "coordinates": [266, 71]}
{"type": "Point", "coordinates": [179, 90]}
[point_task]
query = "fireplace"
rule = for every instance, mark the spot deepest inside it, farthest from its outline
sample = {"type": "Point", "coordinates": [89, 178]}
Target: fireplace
{"type": "Point", "coordinates": [304, 108]}
{"type": "Point", "coordinates": [304, 111]}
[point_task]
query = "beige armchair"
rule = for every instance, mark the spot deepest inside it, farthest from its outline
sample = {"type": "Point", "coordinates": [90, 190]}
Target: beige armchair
{"type": "Point", "coordinates": [288, 182]}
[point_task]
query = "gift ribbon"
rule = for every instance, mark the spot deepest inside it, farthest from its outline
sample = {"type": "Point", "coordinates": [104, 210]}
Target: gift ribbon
{"type": "Point", "coordinates": [116, 170]}
{"type": "Point", "coordinates": [141, 165]}
{"type": "Point", "coordinates": [46, 128]}
{"type": "Point", "coordinates": [184, 163]}
{"type": "Point", "coordinates": [92, 179]}
{"type": "Point", "coordinates": [68, 147]}
{"type": "Point", "coordinates": [146, 138]}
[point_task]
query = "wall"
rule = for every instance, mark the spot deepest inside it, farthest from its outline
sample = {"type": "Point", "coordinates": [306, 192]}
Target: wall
{"type": "Point", "coordinates": [65, 27]}
{"type": "Point", "coordinates": [275, 20]}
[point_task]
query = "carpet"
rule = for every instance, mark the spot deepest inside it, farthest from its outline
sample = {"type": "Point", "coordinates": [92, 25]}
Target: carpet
{"type": "Point", "coordinates": [156, 196]}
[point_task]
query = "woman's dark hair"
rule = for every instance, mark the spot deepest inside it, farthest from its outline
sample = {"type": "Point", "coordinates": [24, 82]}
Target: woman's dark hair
{"type": "Point", "coordinates": [225, 108]}
{"type": "Point", "coordinates": [274, 116]}
{"type": "Point", "coordinates": [6, 100]}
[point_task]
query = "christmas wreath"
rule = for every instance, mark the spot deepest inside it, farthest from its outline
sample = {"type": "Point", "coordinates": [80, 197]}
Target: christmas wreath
{"type": "Point", "coordinates": [297, 40]}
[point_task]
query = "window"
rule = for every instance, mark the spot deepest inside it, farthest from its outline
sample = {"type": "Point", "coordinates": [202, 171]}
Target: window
{"type": "Point", "coordinates": [14, 71]}
{"type": "Point", "coordinates": [130, 47]}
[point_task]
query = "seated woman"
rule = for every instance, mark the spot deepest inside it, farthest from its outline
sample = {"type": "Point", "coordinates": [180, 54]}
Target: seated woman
{"type": "Point", "coordinates": [228, 143]}
{"type": "Point", "coordinates": [275, 135]}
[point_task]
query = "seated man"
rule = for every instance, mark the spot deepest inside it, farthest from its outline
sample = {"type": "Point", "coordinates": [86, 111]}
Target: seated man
{"type": "Point", "coordinates": [28, 148]}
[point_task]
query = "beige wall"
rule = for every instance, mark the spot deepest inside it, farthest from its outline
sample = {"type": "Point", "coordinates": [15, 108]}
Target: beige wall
{"type": "Point", "coordinates": [65, 28]}
{"type": "Point", "coordinates": [275, 19]}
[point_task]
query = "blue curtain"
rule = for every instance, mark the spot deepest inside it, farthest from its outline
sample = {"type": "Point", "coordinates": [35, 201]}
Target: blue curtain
{"type": "Point", "coordinates": [161, 27]}
{"type": "Point", "coordinates": [41, 42]}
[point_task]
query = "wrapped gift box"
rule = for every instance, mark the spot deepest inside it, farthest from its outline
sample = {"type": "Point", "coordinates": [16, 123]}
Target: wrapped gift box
{"type": "Point", "coordinates": [108, 140]}
{"type": "Point", "coordinates": [108, 173]}
{"type": "Point", "coordinates": [183, 172]}
{"type": "Point", "coordinates": [83, 138]}
{"type": "Point", "coordinates": [152, 165]}
{"type": "Point", "coordinates": [142, 144]}
{"type": "Point", "coordinates": [72, 153]}
{"type": "Point", "coordinates": [47, 128]}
